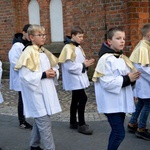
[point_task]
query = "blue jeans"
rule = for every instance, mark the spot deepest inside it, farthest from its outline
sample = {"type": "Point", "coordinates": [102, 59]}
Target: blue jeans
{"type": "Point", "coordinates": [142, 110]}
{"type": "Point", "coordinates": [116, 121]}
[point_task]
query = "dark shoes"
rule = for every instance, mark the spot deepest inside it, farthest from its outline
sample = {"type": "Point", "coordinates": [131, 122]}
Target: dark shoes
{"type": "Point", "coordinates": [143, 133]}
{"type": "Point", "coordinates": [35, 148]}
{"type": "Point", "coordinates": [140, 133]}
{"type": "Point", "coordinates": [132, 127]}
{"type": "Point", "coordinates": [74, 125]}
{"type": "Point", "coordinates": [84, 129]}
{"type": "Point", "coordinates": [25, 125]}
{"type": "Point", "coordinates": [0, 149]}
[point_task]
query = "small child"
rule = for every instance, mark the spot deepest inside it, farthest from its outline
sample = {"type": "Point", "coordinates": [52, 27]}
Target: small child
{"type": "Point", "coordinates": [37, 70]}
{"type": "Point", "coordinates": [20, 40]}
{"type": "Point", "coordinates": [74, 76]}
{"type": "Point", "coordinates": [114, 76]}
{"type": "Point", "coordinates": [141, 60]}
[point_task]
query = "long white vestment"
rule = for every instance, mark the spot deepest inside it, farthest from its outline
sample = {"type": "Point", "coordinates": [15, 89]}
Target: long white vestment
{"type": "Point", "coordinates": [13, 56]}
{"type": "Point", "coordinates": [111, 97]}
{"type": "Point", "coordinates": [73, 78]}
{"type": "Point", "coordinates": [1, 97]}
{"type": "Point", "coordinates": [39, 95]}
{"type": "Point", "coordinates": [141, 60]}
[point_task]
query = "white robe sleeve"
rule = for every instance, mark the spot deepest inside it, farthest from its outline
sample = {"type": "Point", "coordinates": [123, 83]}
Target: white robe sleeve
{"type": "Point", "coordinates": [145, 71]}
{"type": "Point", "coordinates": [57, 74]}
{"type": "Point", "coordinates": [73, 67]}
{"type": "Point", "coordinates": [30, 79]}
{"type": "Point", "coordinates": [15, 53]}
{"type": "Point", "coordinates": [1, 97]}
{"type": "Point", "coordinates": [110, 81]}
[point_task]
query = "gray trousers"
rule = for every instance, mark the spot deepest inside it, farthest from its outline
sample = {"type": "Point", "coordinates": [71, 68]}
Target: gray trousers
{"type": "Point", "coordinates": [42, 132]}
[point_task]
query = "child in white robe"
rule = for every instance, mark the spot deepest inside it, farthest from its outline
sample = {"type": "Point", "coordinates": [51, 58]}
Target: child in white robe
{"type": "Point", "coordinates": [141, 60]}
{"type": "Point", "coordinates": [37, 70]}
{"type": "Point", "coordinates": [20, 40]}
{"type": "Point", "coordinates": [74, 76]}
{"type": "Point", "coordinates": [113, 77]}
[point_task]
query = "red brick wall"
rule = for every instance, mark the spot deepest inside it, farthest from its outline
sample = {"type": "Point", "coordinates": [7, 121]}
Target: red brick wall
{"type": "Point", "coordinates": [90, 16]}
{"type": "Point", "coordinates": [6, 27]}
{"type": "Point", "coordinates": [97, 16]}
{"type": "Point", "coordinates": [94, 16]}
{"type": "Point", "coordinates": [139, 14]}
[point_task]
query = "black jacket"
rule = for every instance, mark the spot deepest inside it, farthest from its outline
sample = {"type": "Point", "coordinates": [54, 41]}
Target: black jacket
{"type": "Point", "coordinates": [68, 41]}
{"type": "Point", "coordinates": [18, 38]}
{"type": "Point", "coordinates": [106, 49]}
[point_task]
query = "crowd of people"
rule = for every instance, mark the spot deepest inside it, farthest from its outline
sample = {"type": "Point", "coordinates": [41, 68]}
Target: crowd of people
{"type": "Point", "coordinates": [34, 72]}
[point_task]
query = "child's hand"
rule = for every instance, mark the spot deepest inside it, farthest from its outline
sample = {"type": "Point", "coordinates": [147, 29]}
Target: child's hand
{"type": "Point", "coordinates": [89, 62]}
{"type": "Point", "coordinates": [92, 60]}
{"type": "Point", "coordinates": [134, 76]}
{"type": "Point", "coordinates": [50, 73]}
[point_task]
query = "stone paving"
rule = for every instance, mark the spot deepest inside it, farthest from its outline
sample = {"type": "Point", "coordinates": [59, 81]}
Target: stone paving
{"type": "Point", "coordinates": [9, 107]}
{"type": "Point", "coordinates": [11, 138]}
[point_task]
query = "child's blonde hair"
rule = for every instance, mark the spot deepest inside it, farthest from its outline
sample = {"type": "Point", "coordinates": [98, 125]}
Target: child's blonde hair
{"type": "Point", "coordinates": [35, 28]}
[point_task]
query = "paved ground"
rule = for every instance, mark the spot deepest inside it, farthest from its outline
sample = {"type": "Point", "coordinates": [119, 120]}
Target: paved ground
{"type": "Point", "coordinates": [10, 97]}
{"type": "Point", "coordinates": [13, 138]}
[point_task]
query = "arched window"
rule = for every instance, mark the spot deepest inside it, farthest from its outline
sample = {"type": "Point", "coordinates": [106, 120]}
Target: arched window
{"type": "Point", "coordinates": [34, 15]}
{"type": "Point", "coordinates": [56, 19]}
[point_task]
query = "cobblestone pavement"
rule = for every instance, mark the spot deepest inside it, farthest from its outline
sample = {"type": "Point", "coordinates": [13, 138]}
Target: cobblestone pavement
{"type": "Point", "coordinates": [9, 107]}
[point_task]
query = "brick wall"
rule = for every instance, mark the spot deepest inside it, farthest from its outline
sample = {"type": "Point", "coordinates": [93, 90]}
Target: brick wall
{"type": "Point", "coordinates": [93, 16]}
{"type": "Point", "coordinates": [139, 14]}
{"type": "Point", "coordinates": [6, 27]}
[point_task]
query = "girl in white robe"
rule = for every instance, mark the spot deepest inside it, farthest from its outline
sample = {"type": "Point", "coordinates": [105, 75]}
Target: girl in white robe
{"type": "Point", "coordinates": [38, 70]}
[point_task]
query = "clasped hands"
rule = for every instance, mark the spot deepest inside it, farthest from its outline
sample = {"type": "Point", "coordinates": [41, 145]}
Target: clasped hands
{"type": "Point", "coordinates": [50, 73]}
{"type": "Point", "coordinates": [89, 62]}
{"type": "Point", "coordinates": [134, 75]}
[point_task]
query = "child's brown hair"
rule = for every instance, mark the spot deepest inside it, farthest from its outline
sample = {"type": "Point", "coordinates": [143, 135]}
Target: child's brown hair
{"type": "Point", "coordinates": [75, 30]}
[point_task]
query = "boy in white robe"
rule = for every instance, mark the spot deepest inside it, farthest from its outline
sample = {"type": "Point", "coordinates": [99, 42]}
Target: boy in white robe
{"type": "Point", "coordinates": [113, 77]}
{"type": "Point", "coordinates": [38, 68]}
{"type": "Point", "coordinates": [74, 76]}
{"type": "Point", "coordinates": [20, 40]}
{"type": "Point", "coordinates": [141, 60]}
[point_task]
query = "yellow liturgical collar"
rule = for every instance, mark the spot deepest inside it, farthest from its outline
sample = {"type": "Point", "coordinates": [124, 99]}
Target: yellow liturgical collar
{"type": "Point", "coordinates": [68, 53]}
{"type": "Point", "coordinates": [141, 53]}
{"type": "Point", "coordinates": [100, 68]}
{"type": "Point", "coordinates": [30, 58]}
